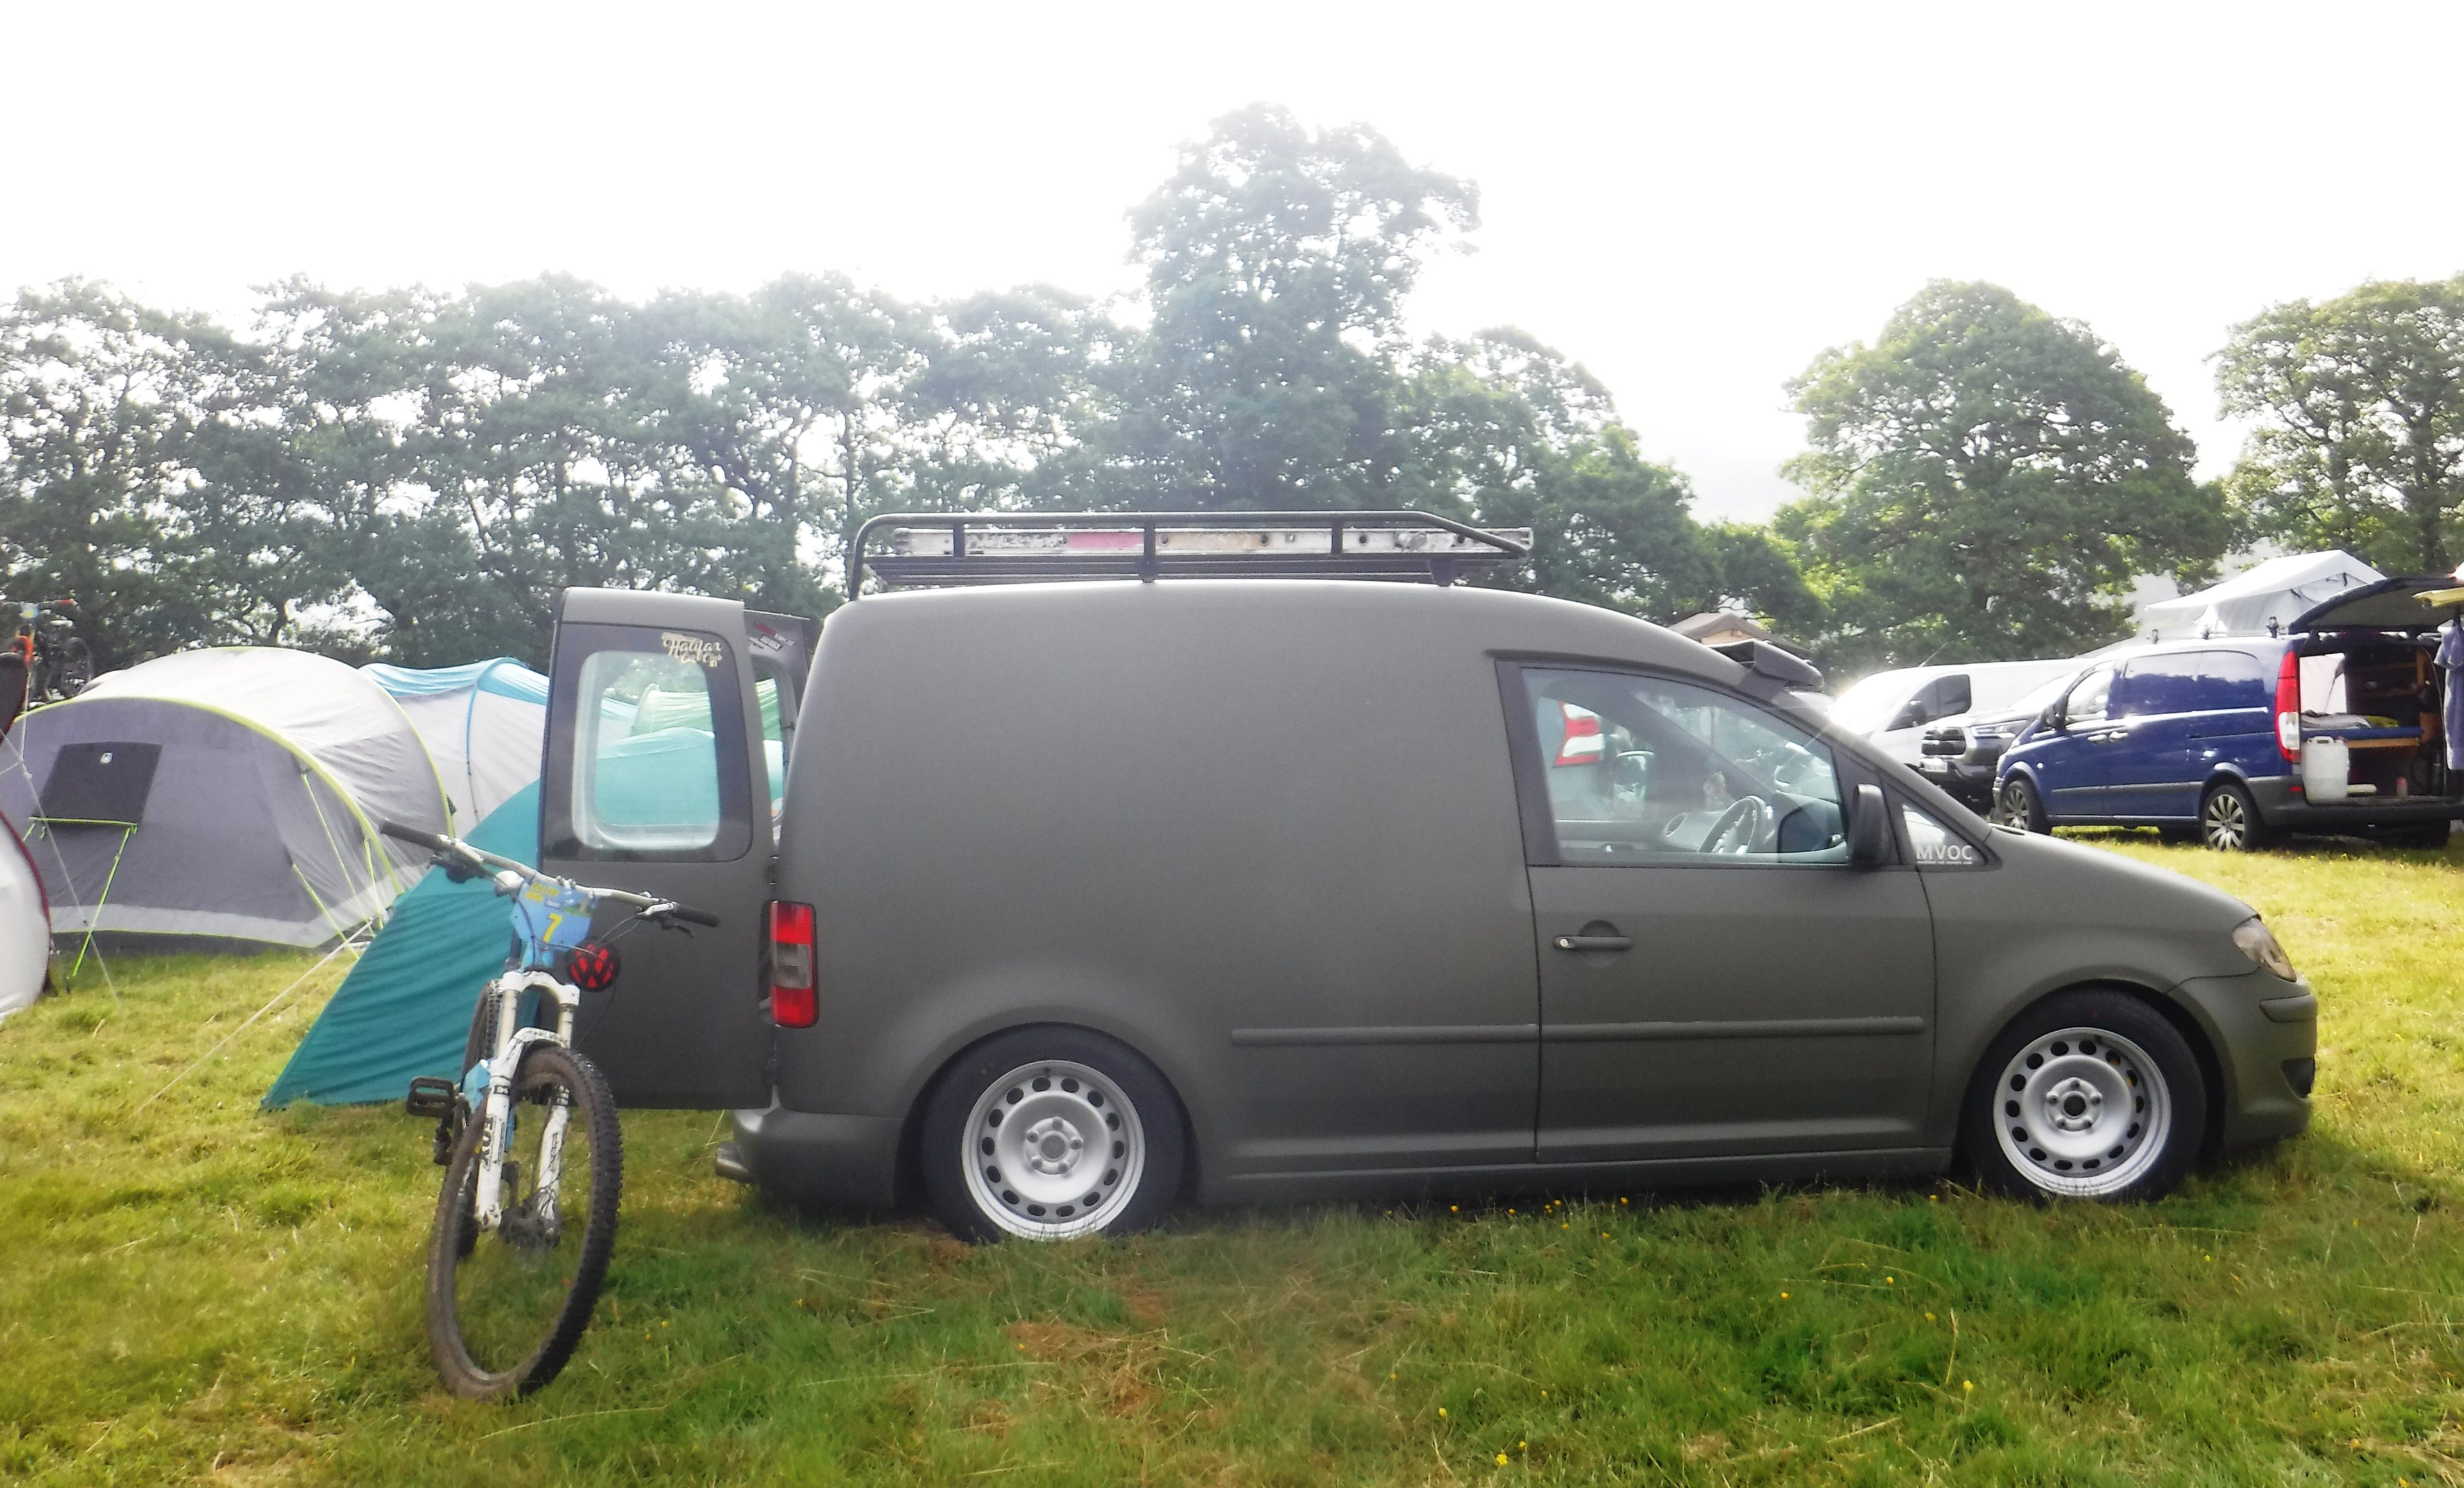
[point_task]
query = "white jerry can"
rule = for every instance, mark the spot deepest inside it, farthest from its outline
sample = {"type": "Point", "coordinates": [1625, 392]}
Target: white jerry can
{"type": "Point", "coordinates": [2326, 770]}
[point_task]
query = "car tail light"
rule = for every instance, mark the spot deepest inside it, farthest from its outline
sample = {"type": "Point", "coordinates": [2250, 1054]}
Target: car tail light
{"type": "Point", "coordinates": [2288, 707]}
{"type": "Point", "coordinates": [792, 1003]}
{"type": "Point", "coordinates": [1583, 742]}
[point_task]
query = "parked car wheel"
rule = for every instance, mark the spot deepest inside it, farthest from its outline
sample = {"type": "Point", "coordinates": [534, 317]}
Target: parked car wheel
{"type": "Point", "coordinates": [2229, 821]}
{"type": "Point", "coordinates": [2021, 806]}
{"type": "Point", "coordinates": [2432, 837]}
{"type": "Point", "coordinates": [1046, 1134]}
{"type": "Point", "coordinates": [2088, 1095]}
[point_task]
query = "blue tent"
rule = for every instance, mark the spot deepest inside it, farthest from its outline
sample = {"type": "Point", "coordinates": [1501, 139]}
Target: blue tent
{"type": "Point", "coordinates": [405, 1008]}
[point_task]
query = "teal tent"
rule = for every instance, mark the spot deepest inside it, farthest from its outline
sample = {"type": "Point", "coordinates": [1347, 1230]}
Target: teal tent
{"type": "Point", "coordinates": [406, 1007]}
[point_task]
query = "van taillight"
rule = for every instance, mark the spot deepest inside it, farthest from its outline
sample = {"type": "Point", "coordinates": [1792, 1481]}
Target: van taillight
{"type": "Point", "coordinates": [2288, 707]}
{"type": "Point", "coordinates": [792, 1003]}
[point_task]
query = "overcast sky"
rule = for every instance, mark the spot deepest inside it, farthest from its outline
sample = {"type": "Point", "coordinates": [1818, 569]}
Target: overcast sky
{"type": "Point", "coordinates": [1692, 205]}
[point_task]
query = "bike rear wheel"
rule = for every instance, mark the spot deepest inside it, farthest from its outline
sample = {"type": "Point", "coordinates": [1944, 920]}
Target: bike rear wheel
{"type": "Point", "coordinates": [72, 669]}
{"type": "Point", "coordinates": [505, 1307]}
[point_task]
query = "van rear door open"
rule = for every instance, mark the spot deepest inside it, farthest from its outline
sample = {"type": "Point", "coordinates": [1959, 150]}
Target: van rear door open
{"type": "Point", "coordinates": [656, 779]}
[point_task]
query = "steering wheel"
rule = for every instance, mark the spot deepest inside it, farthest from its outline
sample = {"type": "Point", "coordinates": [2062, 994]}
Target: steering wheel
{"type": "Point", "coordinates": [1739, 827]}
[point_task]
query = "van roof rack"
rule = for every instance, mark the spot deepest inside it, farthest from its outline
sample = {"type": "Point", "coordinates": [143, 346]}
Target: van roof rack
{"type": "Point", "coordinates": [924, 548]}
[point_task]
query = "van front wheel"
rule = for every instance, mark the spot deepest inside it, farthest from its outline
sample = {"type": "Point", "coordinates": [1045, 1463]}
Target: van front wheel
{"type": "Point", "coordinates": [2021, 807]}
{"type": "Point", "coordinates": [2087, 1095]}
{"type": "Point", "coordinates": [1048, 1133]}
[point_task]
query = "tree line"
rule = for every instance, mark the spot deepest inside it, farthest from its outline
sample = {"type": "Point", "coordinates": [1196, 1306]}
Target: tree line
{"type": "Point", "coordinates": [414, 474]}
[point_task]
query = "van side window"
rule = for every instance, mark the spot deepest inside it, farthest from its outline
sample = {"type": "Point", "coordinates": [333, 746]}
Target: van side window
{"type": "Point", "coordinates": [1646, 770]}
{"type": "Point", "coordinates": [2160, 684]}
{"type": "Point", "coordinates": [2232, 679]}
{"type": "Point", "coordinates": [653, 715]}
{"type": "Point", "coordinates": [1941, 698]}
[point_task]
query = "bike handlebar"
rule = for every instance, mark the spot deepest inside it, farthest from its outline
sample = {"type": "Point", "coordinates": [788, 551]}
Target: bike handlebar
{"type": "Point", "coordinates": [430, 840]}
{"type": "Point", "coordinates": [478, 856]}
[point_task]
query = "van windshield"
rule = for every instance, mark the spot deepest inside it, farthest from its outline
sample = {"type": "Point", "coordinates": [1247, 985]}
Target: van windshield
{"type": "Point", "coordinates": [2042, 697]}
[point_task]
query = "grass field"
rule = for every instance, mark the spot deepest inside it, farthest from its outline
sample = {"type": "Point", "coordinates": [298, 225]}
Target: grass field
{"type": "Point", "coordinates": [193, 1290]}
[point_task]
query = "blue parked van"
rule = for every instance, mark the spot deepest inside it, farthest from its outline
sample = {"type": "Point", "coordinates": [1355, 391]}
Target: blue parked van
{"type": "Point", "coordinates": [2209, 736]}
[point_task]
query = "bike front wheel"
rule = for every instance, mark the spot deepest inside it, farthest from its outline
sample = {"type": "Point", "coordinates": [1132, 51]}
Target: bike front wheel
{"type": "Point", "coordinates": [507, 1306]}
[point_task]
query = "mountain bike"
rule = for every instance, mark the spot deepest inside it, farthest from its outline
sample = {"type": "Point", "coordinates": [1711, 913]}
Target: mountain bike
{"type": "Point", "coordinates": [528, 1137]}
{"type": "Point", "coordinates": [59, 664]}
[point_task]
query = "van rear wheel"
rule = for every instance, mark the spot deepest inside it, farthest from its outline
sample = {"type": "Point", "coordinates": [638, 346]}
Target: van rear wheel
{"type": "Point", "coordinates": [1050, 1133]}
{"type": "Point", "coordinates": [2088, 1095]}
{"type": "Point", "coordinates": [2229, 821]}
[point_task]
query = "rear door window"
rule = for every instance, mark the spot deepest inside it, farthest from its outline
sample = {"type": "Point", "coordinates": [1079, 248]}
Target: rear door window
{"type": "Point", "coordinates": [650, 766]}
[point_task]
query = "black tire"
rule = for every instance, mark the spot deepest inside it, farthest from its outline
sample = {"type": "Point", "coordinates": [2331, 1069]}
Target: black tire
{"type": "Point", "coordinates": [2090, 1051]}
{"type": "Point", "coordinates": [1022, 1123]}
{"type": "Point", "coordinates": [2429, 839]}
{"type": "Point", "coordinates": [2229, 821]}
{"type": "Point", "coordinates": [505, 1309]}
{"type": "Point", "coordinates": [2022, 807]}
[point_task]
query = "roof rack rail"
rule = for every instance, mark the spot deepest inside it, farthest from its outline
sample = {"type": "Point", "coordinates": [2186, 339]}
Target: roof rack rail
{"type": "Point", "coordinates": [1025, 547]}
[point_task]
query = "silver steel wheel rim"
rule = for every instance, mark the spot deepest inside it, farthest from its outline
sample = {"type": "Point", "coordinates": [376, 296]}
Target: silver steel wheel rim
{"type": "Point", "coordinates": [1053, 1149]}
{"type": "Point", "coordinates": [2082, 1112]}
{"type": "Point", "coordinates": [2227, 822]}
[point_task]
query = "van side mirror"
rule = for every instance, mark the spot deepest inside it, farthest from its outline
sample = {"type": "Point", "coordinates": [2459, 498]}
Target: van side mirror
{"type": "Point", "coordinates": [1869, 834]}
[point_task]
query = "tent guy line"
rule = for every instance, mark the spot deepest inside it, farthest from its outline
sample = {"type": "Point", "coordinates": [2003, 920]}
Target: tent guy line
{"type": "Point", "coordinates": [349, 943]}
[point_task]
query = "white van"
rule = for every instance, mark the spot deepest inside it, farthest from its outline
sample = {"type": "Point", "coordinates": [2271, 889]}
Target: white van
{"type": "Point", "coordinates": [1894, 707]}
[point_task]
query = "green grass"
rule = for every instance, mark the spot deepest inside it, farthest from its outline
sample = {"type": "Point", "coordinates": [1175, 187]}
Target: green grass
{"type": "Point", "coordinates": [196, 1290]}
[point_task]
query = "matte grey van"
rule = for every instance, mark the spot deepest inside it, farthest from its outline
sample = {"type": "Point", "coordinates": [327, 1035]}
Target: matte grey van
{"type": "Point", "coordinates": [1087, 898]}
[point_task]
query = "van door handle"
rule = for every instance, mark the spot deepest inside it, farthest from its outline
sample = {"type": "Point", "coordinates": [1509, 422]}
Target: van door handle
{"type": "Point", "coordinates": [1594, 943]}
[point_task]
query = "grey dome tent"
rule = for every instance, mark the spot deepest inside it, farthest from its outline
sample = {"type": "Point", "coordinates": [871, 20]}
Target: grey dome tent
{"type": "Point", "coordinates": [221, 795]}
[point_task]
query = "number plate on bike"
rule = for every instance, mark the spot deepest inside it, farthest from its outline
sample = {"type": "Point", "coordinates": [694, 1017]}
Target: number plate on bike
{"type": "Point", "coordinates": [548, 918]}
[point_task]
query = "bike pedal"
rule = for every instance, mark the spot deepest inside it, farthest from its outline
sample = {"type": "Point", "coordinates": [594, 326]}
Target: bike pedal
{"type": "Point", "coordinates": [440, 1147]}
{"type": "Point", "coordinates": [430, 1097]}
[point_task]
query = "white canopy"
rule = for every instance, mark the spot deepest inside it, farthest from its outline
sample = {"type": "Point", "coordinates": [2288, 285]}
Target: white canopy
{"type": "Point", "coordinates": [483, 723]}
{"type": "Point", "coordinates": [232, 793]}
{"type": "Point", "coordinates": [2282, 590]}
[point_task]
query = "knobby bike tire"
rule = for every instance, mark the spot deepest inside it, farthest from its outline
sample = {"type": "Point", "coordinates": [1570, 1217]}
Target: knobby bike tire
{"type": "Point", "coordinates": [453, 1236]}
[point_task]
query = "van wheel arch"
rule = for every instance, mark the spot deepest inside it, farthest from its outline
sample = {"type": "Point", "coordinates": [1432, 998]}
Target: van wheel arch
{"type": "Point", "coordinates": [910, 1176]}
{"type": "Point", "coordinates": [2202, 1050]}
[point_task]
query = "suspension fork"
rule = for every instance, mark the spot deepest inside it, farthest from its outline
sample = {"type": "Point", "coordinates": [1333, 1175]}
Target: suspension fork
{"type": "Point", "coordinates": [496, 1116]}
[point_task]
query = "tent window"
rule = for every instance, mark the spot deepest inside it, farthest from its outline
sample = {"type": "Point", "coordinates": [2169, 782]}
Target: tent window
{"type": "Point", "coordinates": [654, 768]}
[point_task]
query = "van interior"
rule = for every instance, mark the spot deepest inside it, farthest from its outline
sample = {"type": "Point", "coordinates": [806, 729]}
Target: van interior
{"type": "Point", "coordinates": [2380, 694]}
